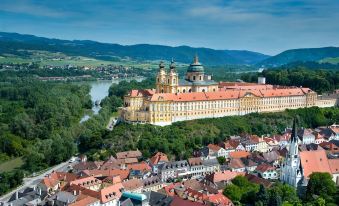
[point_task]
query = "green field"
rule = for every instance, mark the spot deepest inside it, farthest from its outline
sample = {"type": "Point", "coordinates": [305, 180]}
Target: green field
{"type": "Point", "coordinates": [59, 59]}
{"type": "Point", "coordinates": [11, 164]}
{"type": "Point", "coordinates": [331, 60]}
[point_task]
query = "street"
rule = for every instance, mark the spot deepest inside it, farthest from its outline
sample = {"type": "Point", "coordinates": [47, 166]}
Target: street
{"type": "Point", "coordinates": [32, 181]}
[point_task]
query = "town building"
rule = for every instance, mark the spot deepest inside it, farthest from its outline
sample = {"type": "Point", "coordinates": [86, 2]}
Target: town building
{"type": "Point", "coordinates": [197, 96]}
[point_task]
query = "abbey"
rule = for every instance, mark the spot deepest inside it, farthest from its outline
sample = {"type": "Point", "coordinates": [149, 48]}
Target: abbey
{"type": "Point", "coordinates": [195, 80]}
{"type": "Point", "coordinates": [197, 96]}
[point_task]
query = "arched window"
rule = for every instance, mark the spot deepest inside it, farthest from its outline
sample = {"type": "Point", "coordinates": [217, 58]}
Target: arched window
{"type": "Point", "coordinates": [203, 90]}
{"type": "Point", "coordinates": [200, 77]}
{"type": "Point", "coordinates": [162, 90]}
{"type": "Point", "coordinates": [213, 90]}
{"type": "Point", "coordinates": [190, 90]}
{"type": "Point", "coordinates": [158, 80]}
{"type": "Point", "coordinates": [173, 81]}
{"type": "Point", "coordinates": [184, 90]}
{"type": "Point", "coordinates": [193, 77]}
{"type": "Point", "coordinates": [168, 81]}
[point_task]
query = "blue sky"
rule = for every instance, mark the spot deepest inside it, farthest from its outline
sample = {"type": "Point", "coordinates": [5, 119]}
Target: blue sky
{"type": "Point", "coordinates": [267, 26]}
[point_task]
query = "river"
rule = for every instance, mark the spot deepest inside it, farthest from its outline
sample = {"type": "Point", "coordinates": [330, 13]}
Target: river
{"type": "Point", "coordinates": [99, 90]}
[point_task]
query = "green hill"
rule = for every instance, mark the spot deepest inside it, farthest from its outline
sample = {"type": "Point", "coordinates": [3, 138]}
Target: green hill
{"type": "Point", "coordinates": [294, 55]}
{"type": "Point", "coordinates": [11, 43]}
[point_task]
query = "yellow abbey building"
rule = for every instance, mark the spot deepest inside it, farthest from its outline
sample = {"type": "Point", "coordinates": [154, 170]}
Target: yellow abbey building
{"type": "Point", "coordinates": [198, 96]}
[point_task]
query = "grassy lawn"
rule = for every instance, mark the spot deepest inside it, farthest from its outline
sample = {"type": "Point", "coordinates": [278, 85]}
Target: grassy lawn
{"type": "Point", "coordinates": [11, 164]}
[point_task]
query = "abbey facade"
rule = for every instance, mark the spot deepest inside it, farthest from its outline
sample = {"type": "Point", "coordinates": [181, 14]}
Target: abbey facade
{"type": "Point", "coordinates": [197, 96]}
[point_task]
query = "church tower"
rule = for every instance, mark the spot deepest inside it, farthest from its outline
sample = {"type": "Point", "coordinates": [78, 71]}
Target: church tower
{"type": "Point", "coordinates": [290, 170]}
{"type": "Point", "coordinates": [161, 78]}
{"type": "Point", "coordinates": [172, 79]}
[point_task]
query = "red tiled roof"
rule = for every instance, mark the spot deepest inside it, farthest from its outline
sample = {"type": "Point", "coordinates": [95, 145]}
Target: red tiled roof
{"type": "Point", "coordinates": [86, 181]}
{"type": "Point", "coordinates": [226, 175]}
{"type": "Point", "coordinates": [132, 184]}
{"type": "Point", "coordinates": [264, 167]}
{"type": "Point", "coordinates": [239, 154]}
{"type": "Point", "coordinates": [98, 173]}
{"type": "Point", "coordinates": [236, 163]}
{"type": "Point", "coordinates": [228, 94]}
{"type": "Point", "coordinates": [111, 192]}
{"type": "Point", "coordinates": [314, 161]}
{"type": "Point", "coordinates": [334, 165]}
{"type": "Point", "coordinates": [129, 154]}
{"type": "Point", "coordinates": [51, 180]}
{"type": "Point", "coordinates": [214, 147]}
{"type": "Point", "coordinates": [195, 161]}
{"type": "Point", "coordinates": [220, 200]}
{"type": "Point", "coordinates": [88, 200]}
{"type": "Point", "coordinates": [177, 201]}
{"type": "Point", "coordinates": [142, 166]}
{"type": "Point", "coordinates": [158, 157]}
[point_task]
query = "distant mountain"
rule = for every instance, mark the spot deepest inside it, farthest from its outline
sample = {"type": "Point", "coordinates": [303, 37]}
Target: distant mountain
{"type": "Point", "coordinates": [297, 55]}
{"type": "Point", "coordinates": [11, 42]}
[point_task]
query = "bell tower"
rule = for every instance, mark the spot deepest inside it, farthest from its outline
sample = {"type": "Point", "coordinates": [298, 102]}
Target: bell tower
{"type": "Point", "coordinates": [172, 79]}
{"type": "Point", "coordinates": [161, 78]}
{"type": "Point", "coordinates": [291, 172]}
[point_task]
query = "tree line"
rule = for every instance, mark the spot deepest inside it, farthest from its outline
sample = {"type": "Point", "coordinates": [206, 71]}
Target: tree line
{"type": "Point", "coordinates": [318, 80]}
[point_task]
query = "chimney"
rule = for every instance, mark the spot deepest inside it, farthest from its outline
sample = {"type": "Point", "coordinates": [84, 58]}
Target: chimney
{"type": "Point", "coordinates": [74, 192]}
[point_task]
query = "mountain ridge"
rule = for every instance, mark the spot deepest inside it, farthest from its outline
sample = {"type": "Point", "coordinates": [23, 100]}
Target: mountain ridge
{"type": "Point", "coordinates": [301, 55]}
{"type": "Point", "coordinates": [10, 42]}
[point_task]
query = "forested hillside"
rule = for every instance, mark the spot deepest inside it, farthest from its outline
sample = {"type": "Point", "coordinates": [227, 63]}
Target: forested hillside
{"type": "Point", "coordinates": [307, 54]}
{"type": "Point", "coordinates": [318, 80]}
{"type": "Point", "coordinates": [13, 43]}
{"type": "Point", "coordinates": [38, 123]}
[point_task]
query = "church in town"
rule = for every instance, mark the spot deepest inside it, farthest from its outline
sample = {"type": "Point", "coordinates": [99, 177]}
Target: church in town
{"type": "Point", "coordinates": [198, 96]}
{"type": "Point", "coordinates": [299, 165]}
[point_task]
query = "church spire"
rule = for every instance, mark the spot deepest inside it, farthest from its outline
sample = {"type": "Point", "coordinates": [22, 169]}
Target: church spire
{"type": "Point", "coordinates": [294, 135]}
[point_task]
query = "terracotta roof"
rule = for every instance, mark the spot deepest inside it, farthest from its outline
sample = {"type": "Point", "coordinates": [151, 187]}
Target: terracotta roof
{"type": "Point", "coordinates": [86, 181]}
{"type": "Point", "coordinates": [133, 184]}
{"type": "Point", "coordinates": [226, 145]}
{"type": "Point", "coordinates": [228, 94]}
{"type": "Point", "coordinates": [98, 173]}
{"type": "Point", "coordinates": [214, 147]}
{"type": "Point", "coordinates": [51, 180]}
{"type": "Point", "coordinates": [86, 166]}
{"type": "Point", "coordinates": [141, 93]}
{"type": "Point", "coordinates": [236, 163]}
{"type": "Point", "coordinates": [220, 200]}
{"type": "Point", "coordinates": [129, 154]}
{"type": "Point", "coordinates": [169, 189]}
{"type": "Point", "coordinates": [111, 192]}
{"type": "Point", "coordinates": [158, 157]}
{"type": "Point", "coordinates": [226, 175]}
{"type": "Point", "coordinates": [177, 201]}
{"type": "Point", "coordinates": [239, 154]}
{"type": "Point", "coordinates": [142, 166]}
{"type": "Point", "coordinates": [88, 200]}
{"type": "Point", "coordinates": [195, 161]}
{"type": "Point", "coordinates": [334, 165]}
{"type": "Point", "coordinates": [199, 196]}
{"type": "Point", "coordinates": [314, 161]}
{"type": "Point", "coordinates": [264, 167]}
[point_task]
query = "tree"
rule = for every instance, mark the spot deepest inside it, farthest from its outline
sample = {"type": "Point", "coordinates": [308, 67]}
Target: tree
{"type": "Point", "coordinates": [262, 195]}
{"type": "Point", "coordinates": [221, 160]}
{"type": "Point", "coordinates": [320, 185]}
{"type": "Point", "coordinates": [274, 199]}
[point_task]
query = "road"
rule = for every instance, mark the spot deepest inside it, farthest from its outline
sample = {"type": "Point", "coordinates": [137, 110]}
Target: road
{"type": "Point", "coordinates": [32, 181]}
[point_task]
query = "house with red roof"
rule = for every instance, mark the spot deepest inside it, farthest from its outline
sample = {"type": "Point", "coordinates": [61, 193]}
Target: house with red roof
{"type": "Point", "coordinates": [267, 171]}
{"type": "Point", "coordinates": [157, 159]}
